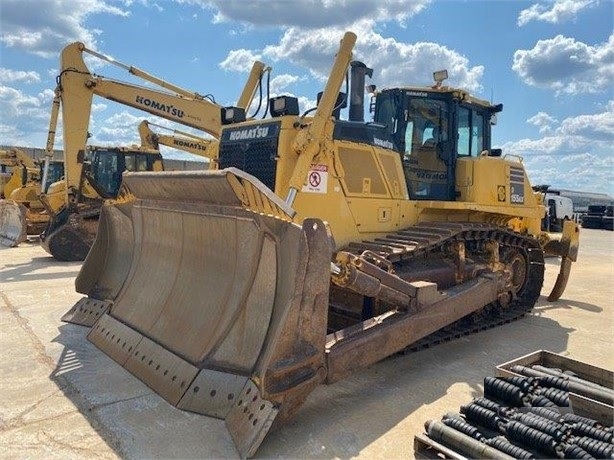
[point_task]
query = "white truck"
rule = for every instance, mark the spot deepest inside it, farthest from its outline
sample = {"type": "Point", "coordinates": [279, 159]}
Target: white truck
{"type": "Point", "coordinates": [558, 210]}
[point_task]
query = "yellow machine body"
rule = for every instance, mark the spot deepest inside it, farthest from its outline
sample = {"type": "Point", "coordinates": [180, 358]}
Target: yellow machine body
{"type": "Point", "coordinates": [319, 247]}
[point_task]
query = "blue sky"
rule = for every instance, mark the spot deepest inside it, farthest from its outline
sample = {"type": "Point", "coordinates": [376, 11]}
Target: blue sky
{"type": "Point", "coordinates": [551, 63]}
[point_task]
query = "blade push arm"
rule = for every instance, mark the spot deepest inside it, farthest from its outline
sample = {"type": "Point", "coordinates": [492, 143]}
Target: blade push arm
{"type": "Point", "coordinates": [308, 142]}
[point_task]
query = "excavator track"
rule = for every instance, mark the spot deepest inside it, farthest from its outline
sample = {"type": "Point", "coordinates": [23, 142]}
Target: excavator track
{"type": "Point", "coordinates": [416, 243]}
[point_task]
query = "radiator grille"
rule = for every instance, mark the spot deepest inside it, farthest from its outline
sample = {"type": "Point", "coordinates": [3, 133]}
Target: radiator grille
{"type": "Point", "coordinates": [255, 156]}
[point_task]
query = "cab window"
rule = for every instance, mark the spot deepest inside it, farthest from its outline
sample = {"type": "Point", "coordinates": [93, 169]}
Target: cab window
{"type": "Point", "coordinates": [470, 132]}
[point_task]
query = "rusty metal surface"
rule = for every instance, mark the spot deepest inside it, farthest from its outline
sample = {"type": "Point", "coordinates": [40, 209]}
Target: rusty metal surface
{"type": "Point", "coordinates": [108, 262]}
{"type": "Point", "coordinates": [164, 372]}
{"type": "Point", "coordinates": [230, 294]}
{"type": "Point", "coordinates": [361, 341]}
{"type": "Point", "coordinates": [114, 338]}
{"type": "Point", "coordinates": [250, 419]}
{"type": "Point", "coordinates": [561, 280]}
{"type": "Point", "coordinates": [213, 393]}
{"type": "Point", "coordinates": [567, 248]}
{"type": "Point", "coordinates": [369, 345]}
{"type": "Point", "coordinates": [86, 311]}
{"type": "Point", "coordinates": [12, 223]}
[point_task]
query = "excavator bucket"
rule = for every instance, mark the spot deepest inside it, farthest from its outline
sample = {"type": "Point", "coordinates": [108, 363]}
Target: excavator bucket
{"type": "Point", "coordinates": [69, 236]}
{"type": "Point", "coordinates": [232, 322]}
{"type": "Point", "coordinates": [12, 223]}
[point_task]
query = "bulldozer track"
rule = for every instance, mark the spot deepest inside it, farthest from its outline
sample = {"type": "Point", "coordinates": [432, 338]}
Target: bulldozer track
{"type": "Point", "coordinates": [424, 238]}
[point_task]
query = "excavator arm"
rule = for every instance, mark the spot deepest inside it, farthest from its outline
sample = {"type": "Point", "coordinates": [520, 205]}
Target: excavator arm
{"type": "Point", "coordinates": [179, 140]}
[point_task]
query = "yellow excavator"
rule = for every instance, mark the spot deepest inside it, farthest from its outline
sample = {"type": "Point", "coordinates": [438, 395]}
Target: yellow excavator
{"type": "Point", "coordinates": [34, 207]}
{"type": "Point", "coordinates": [90, 177]}
{"type": "Point", "coordinates": [179, 140]}
{"type": "Point", "coordinates": [21, 211]}
{"type": "Point", "coordinates": [16, 168]}
{"type": "Point", "coordinates": [319, 247]}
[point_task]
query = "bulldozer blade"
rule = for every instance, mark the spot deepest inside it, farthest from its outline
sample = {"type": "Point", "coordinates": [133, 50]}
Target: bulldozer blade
{"type": "Point", "coordinates": [106, 266]}
{"type": "Point", "coordinates": [566, 248]}
{"type": "Point", "coordinates": [12, 223]}
{"type": "Point", "coordinates": [108, 261]}
{"type": "Point", "coordinates": [208, 292]}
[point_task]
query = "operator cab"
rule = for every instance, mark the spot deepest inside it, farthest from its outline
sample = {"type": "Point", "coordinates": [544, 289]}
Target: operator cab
{"type": "Point", "coordinates": [106, 165]}
{"type": "Point", "coordinates": [55, 172]}
{"type": "Point", "coordinates": [432, 127]}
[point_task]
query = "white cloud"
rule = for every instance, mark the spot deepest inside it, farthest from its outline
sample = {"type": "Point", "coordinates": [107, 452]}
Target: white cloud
{"type": "Point", "coordinates": [311, 31]}
{"type": "Point", "coordinates": [9, 75]}
{"type": "Point", "coordinates": [15, 103]}
{"type": "Point", "coordinates": [597, 128]}
{"type": "Point", "coordinates": [577, 152]}
{"type": "Point", "coordinates": [313, 14]}
{"type": "Point", "coordinates": [391, 60]}
{"type": "Point", "coordinates": [567, 66]}
{"type": "Point", "coordinates": [45, 26]}
{"type": "Point", "coordinates": [554, 12]}
{"type": "Point", "coordinates": [28, 114]}
{"type": "Point", "coordinates": [240, 60]}
{"type": "Point", "coordinates": [543, 121]}
{"type": "Point", "coordinates": [280, 82]}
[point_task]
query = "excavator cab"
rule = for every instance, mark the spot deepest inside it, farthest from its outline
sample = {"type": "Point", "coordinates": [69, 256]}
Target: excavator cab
{"type": "Point", "coordinates": [55, 173]}
{"type": "Point", "coordinates": [72, 228]}
{"type": "Point", "coordinates": [432, 130]}
{"type": "Point", "coordinates": [105, 166]}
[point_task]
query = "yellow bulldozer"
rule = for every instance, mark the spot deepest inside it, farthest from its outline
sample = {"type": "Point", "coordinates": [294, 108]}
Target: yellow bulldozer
{"type": "Point", "coordinates": [318, 248]}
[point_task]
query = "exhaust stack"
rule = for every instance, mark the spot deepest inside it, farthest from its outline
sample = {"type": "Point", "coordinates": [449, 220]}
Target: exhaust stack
{"type": "Point", "coordinates": [357, 90]}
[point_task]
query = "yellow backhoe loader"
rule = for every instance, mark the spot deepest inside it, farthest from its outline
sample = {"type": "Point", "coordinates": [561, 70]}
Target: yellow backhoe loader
{"type": "Point", "coordinates": [319, 247]}
{"type": "Point", "coordinates": [72, 227]}
{"type": "Point", "coordinates": [179, 140]}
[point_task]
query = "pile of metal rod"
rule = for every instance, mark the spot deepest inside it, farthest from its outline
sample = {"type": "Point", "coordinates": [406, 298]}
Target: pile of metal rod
{"type": "Point", "coordinates": [527, 416]}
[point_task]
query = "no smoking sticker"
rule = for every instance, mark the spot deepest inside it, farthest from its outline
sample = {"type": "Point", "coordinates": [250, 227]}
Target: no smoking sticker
{"type": "Point", "coordinates": [317, 179]}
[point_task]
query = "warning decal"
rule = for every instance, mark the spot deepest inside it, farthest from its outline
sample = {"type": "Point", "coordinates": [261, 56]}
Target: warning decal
{"type": "Point", "coordinates": [317, 179]}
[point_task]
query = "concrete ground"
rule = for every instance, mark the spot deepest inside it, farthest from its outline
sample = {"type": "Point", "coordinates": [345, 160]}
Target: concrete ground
{"type": "Point", "coordinates": [60, 397]}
